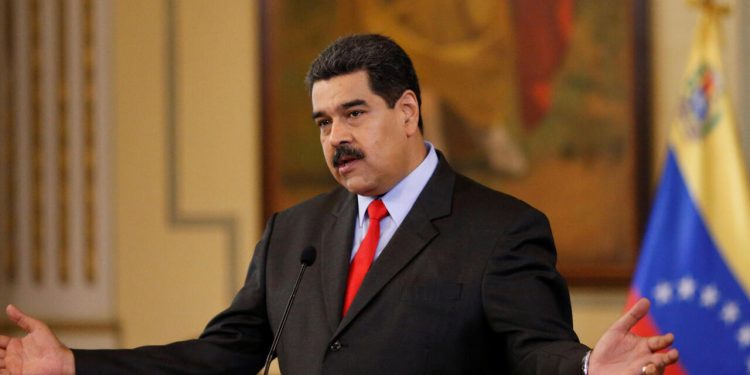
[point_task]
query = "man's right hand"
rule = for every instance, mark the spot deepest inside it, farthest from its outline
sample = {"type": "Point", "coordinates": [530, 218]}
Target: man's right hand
{"type": "Point", "coordinates": [39, 352]}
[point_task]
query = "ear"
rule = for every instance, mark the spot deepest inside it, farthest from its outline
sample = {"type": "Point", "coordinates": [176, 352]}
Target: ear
{"type": "Point", "coordinates": [408, 107]}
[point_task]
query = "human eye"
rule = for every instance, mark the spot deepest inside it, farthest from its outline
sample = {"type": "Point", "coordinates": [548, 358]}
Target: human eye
{"type": "Point", "coordinates": [356, 113]}
{"type": "Point", "coordinates": [323, 122]}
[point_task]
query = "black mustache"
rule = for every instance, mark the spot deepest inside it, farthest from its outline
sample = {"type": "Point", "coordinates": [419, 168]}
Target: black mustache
{"type": "Point", "coordinates": [347, 151]}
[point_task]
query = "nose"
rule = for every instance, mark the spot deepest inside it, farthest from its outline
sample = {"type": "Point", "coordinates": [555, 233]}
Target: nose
{"type": "Point", "coordinates": [340, 133]}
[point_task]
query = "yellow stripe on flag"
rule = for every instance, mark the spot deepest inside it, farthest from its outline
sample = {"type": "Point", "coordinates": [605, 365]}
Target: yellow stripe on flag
{"type": "Point", "coordinates": [709, 154]}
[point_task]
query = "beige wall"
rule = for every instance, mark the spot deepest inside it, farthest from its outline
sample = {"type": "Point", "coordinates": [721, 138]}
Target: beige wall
{"type": "Point", "coordinates": [172, 277]}
{"type": "Point", "coordinates": [175, 265]}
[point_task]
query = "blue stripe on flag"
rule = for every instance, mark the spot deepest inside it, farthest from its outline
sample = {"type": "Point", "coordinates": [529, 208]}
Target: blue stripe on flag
{"type": "Point", "coordinates": [693, 292]}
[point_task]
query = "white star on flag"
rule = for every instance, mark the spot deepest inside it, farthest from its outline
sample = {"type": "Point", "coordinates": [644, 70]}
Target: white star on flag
{"type": "Point", "coordinates": [743, 336]}
{"type": "Point", "coordinates": [663, 293]}
{"type": "Point", "coordinates": [730, 312]}
{"type": "Point", "coordinates": [686, 288]}
{"type": "Point", "coordinates": [709, 296]}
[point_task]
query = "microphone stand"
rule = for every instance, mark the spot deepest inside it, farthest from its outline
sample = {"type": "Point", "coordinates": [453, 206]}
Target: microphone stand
{"type": "Point", "coordinates": [307, 258]}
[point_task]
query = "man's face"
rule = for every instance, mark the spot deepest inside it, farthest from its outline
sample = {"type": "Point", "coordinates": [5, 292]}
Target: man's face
{"type": "Point", "coordinates": [368, 146]}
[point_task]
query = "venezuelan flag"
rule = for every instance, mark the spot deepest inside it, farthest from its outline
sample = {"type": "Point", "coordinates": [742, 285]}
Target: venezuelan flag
{"type": "Point", "coordinates": [695, 258]}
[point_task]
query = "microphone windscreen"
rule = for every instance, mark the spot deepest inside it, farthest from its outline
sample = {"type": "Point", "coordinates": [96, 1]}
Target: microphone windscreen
{"type": "Point", "coordinates": [308, 256]}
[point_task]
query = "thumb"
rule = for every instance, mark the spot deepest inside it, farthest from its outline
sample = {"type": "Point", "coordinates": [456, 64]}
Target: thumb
{"type": "Point", "coordinates": [24, 321]}
{"type": "Point", "coordinates": [632, 316]}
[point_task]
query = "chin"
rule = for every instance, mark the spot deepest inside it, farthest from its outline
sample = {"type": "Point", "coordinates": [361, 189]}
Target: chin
{"type": "Point", "coordinates": [356, 188]}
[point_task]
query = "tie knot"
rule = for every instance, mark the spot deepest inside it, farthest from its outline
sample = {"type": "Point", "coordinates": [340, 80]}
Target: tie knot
{"type": "Point", "coordinates": [377, 210]}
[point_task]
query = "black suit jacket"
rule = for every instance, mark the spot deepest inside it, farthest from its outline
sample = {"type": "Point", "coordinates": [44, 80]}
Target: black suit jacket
{"type": "Point", "coordinates": [467, 285]}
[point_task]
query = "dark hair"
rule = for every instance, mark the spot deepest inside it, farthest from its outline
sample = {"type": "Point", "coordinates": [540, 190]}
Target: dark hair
{"type": "Point", "coordinates": [387, 65]}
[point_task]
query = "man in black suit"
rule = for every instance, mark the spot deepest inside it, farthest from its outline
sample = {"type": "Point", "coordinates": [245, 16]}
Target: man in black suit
{"type": "Point", "coordinates": [420, 270]}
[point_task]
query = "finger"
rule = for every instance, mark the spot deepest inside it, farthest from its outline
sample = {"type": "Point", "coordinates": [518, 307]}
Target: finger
{"type": "Point", "coordinates": [656, 343]}
{"type": "Point", "coordinates": [632, 316]}
{"type": "Point", "coordinates": [673, 355]}
{"type": "Point", "coordinates": [4, 340]}
{"type": "Point", "coordinates": [666, 359]}
{"type": "Point", "coordinates": [648, 369]}
{"type": "Point", "coordinates": [659, 361]}
{"type": "Point", "coordinates": [24, 321]}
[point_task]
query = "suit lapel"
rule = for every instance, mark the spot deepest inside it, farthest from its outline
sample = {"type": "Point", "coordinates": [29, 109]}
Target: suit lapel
{"type": "Point", "coordinates": [338, 234]}
{"type": "Point", "coordinates": [410, 239]}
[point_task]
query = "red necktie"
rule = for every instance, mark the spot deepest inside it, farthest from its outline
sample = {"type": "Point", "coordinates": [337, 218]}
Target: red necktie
{"type": "Point", "coordinates": [366, 252]}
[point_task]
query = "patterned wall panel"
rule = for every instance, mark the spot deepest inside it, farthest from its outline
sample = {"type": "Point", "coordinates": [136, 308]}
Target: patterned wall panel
{"type": "Point", "coordinates": [55, 128]}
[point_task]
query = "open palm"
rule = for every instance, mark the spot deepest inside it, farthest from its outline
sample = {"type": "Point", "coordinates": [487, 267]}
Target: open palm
{"type": "Point", "coordinates": [39, 352]}
{"type": "Point", "coordinates": [619, 351]}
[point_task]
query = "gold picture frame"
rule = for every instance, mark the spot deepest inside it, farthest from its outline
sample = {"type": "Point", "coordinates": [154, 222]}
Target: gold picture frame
{"type": "Point", "coordinates": [546, 100]}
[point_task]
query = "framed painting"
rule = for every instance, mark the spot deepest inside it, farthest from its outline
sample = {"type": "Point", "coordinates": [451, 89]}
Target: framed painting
{"type": "Point", "coordinates": [543, 99]}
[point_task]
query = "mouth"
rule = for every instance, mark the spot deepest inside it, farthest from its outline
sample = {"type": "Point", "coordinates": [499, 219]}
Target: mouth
{"type": "Point", "coordinates": [345, 157]}
{"type": "Point", "coordinates": [345, 166]}
{"type": "Point", "coordinates": [344, 160]}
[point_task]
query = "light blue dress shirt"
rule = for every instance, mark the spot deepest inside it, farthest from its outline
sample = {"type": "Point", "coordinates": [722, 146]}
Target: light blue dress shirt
{"type": "Point", "coordinates": [398, 201]}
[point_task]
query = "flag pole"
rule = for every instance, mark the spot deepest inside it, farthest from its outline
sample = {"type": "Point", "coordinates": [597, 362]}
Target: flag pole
{"type": "Point", "coordinates": [714, 6]}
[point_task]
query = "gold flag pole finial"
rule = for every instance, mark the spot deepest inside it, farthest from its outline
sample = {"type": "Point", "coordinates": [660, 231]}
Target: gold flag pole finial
{"type": "Point", "coordinates": [715, 6]}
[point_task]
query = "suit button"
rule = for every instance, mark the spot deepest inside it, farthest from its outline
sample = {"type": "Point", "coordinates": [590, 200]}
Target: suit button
{"type": "Point", "coordinates": [336, 346]}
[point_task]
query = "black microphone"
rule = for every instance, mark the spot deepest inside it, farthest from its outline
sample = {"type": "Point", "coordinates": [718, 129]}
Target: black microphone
{"type": "Point", "coordinates": [306, 259]}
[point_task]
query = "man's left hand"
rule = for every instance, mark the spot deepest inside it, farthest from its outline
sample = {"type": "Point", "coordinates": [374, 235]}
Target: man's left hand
{"type": "Point", "coordinates": [622, 352]}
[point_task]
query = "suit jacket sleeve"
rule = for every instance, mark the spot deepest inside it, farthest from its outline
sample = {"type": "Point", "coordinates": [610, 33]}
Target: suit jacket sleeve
{"type": "Point", "coordinates": [527, 303]}
{"type": "Point", "coordinates": [234, 342]}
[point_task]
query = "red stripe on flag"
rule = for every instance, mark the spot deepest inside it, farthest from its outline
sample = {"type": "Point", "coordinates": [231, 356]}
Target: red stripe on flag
{"type": "Point", "coordinates": [647, 327]}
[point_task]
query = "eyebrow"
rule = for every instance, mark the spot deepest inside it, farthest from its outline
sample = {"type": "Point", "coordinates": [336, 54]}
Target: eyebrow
{"type": "Point", "coordinates": [347, 105]}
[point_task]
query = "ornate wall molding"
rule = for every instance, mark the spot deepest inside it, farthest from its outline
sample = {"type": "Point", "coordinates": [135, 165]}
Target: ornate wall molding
{"type": "Point", "coordinates": [179, 217]}
{"type": "Point", "coordinates": [56, 125]}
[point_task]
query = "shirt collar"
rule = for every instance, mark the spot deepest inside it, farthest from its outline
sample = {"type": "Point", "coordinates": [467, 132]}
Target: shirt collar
{"type": "Point", "coordinates": [399, 200]}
